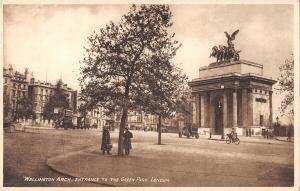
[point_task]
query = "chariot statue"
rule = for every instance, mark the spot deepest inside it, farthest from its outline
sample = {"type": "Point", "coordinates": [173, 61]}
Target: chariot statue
{"type": "Point", "coordinates": [226, 53]}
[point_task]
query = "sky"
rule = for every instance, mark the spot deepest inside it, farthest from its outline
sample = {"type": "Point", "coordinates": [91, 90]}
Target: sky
{"type": "Point", "coordinates": [49, 39]}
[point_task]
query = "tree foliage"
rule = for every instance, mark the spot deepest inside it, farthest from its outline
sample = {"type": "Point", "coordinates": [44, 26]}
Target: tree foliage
{"type": "Point", "coordinates": [24, 108]}
{"type": "Point", "coordinates": [117, 69]}
{"type": "Point", "coordinates": [7, 108]}
{"type": "Point", "coordinates": [286, 86]}
{"type": "Point", "coordinates": [167, 93]}
{"type": "Point", "coordinates": [57, 100]}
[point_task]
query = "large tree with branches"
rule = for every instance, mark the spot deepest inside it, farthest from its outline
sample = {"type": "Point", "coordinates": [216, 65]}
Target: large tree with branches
{"type": "Point", "coordinates": [57, 100]}
{"type": "Point", "coordinates": [119, 57]}
{"type": "Point", "coordinates": [286, 87]}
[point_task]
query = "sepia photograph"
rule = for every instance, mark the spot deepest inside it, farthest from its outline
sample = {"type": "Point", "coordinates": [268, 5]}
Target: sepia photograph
{"type": "Point", "coordinates": [150, 95]}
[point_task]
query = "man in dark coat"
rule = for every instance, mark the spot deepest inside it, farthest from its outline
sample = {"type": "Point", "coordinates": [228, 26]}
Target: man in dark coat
{"type": "Point", "coordinates": [127, 141]}
{"type": "Point", "coordinates": [105, 145]}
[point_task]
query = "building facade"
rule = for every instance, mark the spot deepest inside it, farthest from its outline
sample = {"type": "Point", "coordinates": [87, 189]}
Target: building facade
{"type": "Point", "coordinates": [40, 93]}
{"type": "Point", "coordinates": [233, 94]}
{"type": "Point", "coordinates": [15, 87]}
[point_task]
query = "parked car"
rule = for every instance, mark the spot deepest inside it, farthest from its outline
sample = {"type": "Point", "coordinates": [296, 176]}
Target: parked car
{"type": "Point", "coordinates": [189, 131]}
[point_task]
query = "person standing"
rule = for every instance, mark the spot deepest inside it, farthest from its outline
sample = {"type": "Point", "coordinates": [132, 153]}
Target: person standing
{"type": "Point", "coordinates": [105, 145]}
{"type": "Point", "coordinates": [127, 141]}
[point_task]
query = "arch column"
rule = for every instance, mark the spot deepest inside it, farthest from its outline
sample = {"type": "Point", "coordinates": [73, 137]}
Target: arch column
{"type": "Point", "coordinates": [224, 113]}
{"type": "Point", "coordinates": [234, 109]}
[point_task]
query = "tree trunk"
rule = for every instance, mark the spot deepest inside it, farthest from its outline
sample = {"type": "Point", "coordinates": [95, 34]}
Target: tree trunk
{"type": "Point", "coordinates": [159, 129]}
{"type": "Point", "coordinates": [121, 132]}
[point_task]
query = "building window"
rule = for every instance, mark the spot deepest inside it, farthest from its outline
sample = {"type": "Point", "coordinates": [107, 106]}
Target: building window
{"type": "Point", "coordinates": [14, 85]}
{"type": "Point", "coordinates": [5, 80]}
{"type": "Point", "coordinates": [139, 119]}
{"type": "Point", "coordinates": [261, 120]}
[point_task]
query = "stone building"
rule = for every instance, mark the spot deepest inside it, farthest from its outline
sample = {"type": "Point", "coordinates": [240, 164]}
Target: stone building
{"type": "Point", "coordinates": [94, 118]}
{"type": "Point", "coordinates": [40, 93]}
{"type": "Point", "coordinates": [15, 87]}
{"type": "Point", "coordinates": [233, 94]}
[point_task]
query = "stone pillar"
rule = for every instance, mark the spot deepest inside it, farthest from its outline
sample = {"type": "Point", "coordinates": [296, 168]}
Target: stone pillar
{"type": "Point", "coordinates": [271, 109]}
{"type": "Point", "coordinates": [211, 114]}
{"type": "Point", "coordinates": [202, 113]}
{"type": "Point", "coordinates": [234, 109]}
{"type": "Point", "coordinates": [197, 102]}
{"type": "Point", "coordinates": [194, 114]}
{"type": "Point", "coordinates": [224, 112]}
{"type": "Point", "coordinates": [206, 110]}
{"type": "Point", "coordinates": [244, 108]}
{"type": "Point", "coordinates": [250, 107]}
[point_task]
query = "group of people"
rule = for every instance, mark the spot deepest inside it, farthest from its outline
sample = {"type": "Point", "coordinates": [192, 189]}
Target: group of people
{"type": "Point", "coordinates": [106, 145]}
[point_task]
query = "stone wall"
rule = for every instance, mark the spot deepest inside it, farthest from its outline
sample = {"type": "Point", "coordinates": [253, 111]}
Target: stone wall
{"type": "Point", "coordinates": [261, 102]}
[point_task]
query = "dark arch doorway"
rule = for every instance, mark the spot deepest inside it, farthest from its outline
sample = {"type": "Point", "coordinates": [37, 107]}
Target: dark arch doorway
{"type": "Point", "coordinates": [218, 115]}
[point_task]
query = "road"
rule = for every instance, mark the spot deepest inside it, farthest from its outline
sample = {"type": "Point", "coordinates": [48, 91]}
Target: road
{"type": "Point", "coordinates": [214, 163]}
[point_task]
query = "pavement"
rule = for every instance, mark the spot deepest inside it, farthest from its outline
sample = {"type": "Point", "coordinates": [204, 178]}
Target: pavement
{"type": "Point", "coordinates": [255, 139]}
{"type": "Point", "coordinates": [178, 164]}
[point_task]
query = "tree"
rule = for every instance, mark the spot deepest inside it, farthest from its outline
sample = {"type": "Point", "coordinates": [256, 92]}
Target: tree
{"type": "Point", "coordinates": [118, 56]}
{"type": "Point", "coordinates": [7, 108]}
{"type": "Point", "coordinates": [286, 86]}
{"type": "Point", "coordinates": [57, 100]}
{"type": "Point", "coordinates": [24, 109]}
{"type": "Point", "coordinates": [168, 93]}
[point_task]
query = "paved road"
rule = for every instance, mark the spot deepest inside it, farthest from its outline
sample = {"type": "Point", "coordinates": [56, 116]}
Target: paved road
{"type": "Point", "coordinates": [214, 163]}
{"type": "Point", "coordinates": [25, 154]}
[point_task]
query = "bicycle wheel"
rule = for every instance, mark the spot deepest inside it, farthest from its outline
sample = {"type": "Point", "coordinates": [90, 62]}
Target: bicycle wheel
{"type": "Point", "coordinates": [228, 140]}
{"type": "Point", "coordinates": [237, 141]}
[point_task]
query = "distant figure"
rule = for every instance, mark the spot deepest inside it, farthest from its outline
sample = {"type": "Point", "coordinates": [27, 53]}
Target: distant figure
{"type": "Point", "coordinates": [106, 146]}
{"type": "Point", "coordinates": [127, 141]}
{"type": "Point", "coordinates": [267, 133]}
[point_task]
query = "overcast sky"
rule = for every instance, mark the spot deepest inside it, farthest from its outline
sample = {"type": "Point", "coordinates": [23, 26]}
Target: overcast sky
{"type": "Point", "coordinates": [49, 39]}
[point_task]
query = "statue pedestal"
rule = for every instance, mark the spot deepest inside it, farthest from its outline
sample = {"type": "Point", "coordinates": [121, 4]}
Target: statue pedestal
{"type": "Point", "coordinates": [239, 67]}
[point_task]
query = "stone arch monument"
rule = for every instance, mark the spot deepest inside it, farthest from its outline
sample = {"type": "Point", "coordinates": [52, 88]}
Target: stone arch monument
{"type": "Point", "coordinates": [232, 93]}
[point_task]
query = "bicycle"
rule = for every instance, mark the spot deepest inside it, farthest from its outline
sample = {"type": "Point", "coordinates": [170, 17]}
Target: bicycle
{"type": "Point", "coordinates": [232, 139]}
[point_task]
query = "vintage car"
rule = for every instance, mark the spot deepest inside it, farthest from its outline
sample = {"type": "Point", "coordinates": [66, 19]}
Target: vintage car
{"type": "Point", "coordinates": [189, 131]}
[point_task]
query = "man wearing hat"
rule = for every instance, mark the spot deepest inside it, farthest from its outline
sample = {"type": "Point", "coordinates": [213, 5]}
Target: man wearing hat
{"type": "Point", "coordinates": [127, 141]}
{"type": "Point", "coordinates": [106, 146]}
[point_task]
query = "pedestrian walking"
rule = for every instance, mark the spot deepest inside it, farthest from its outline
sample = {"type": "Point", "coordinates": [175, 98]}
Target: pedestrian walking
{"type": "Point", "coordinates": [127, 141]}
{"type": "Point", "coordinates": [106, 145]}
